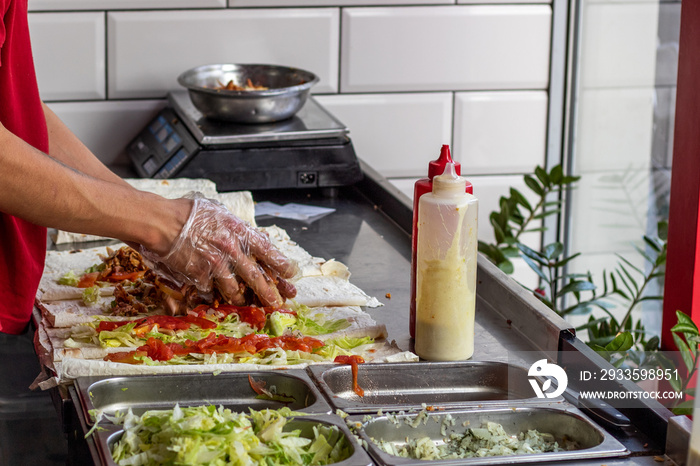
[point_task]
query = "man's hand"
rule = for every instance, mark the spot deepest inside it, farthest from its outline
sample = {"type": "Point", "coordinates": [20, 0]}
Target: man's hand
{"type": "Point", "coordinates": [216, 247]}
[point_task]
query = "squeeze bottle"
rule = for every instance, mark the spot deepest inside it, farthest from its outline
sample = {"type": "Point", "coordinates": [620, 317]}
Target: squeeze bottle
{"type": "Point", "coordinates": [422, 186]}
{"type": "Point", "coordinates": [446, 270]}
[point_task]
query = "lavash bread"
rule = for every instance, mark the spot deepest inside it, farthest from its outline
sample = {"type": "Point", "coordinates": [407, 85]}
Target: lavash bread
{"type": "Point", "coordinates": [71, 368]}
{"type": "Point", "coordinates": [323, 285]}
{"type": "Point", "coordinates": [239, 203]}
{"type": "Point", "coordinates": [58, 263]}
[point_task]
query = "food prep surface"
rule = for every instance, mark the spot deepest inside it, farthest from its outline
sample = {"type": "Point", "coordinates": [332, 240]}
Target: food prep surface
{"type": "Point", "coordinates": [369, 231]}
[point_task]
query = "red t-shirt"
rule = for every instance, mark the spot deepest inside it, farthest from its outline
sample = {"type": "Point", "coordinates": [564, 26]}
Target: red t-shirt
{"type": "Point", "coordinates": [22, 244]}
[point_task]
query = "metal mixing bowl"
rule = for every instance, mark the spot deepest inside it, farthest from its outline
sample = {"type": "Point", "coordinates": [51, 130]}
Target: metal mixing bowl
{"type": "Point", "coordinates": [287, 90]}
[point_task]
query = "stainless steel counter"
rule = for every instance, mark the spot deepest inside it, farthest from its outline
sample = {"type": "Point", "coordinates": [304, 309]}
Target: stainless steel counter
{"type": "Point", "coordinates": [370, 233]}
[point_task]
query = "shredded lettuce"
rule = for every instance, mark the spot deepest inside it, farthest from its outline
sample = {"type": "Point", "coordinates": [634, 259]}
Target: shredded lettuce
{"type": "Point", "coordinates": [91, 295]}
{"type": "Point", "coordinates": [278, 322]}
{"type": "Point", "coordinates": [69, 278]}
{"type": "Point", "coordinates": [120, 336]}
{"type": "Point", "coordinates": [95, 268]}
{"type": "Point", "coordinates": [488, 440]}
{"type": "Point", "coordinates": [349, 343]}
{"type": "Point", "coordinates": [317, 324]}
{"type": "Point", "coordinates": [207, 435]}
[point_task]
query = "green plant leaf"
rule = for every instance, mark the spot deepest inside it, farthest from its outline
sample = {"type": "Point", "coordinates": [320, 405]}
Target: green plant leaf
{"type": "Point", "coordinates": [576, 309]}
{"type": "Point", "coordinates": [621, 342]}
{"type": "Point", "coordinates": [622, 278]}
{"type": "Point", "coordinates": [536, 268]}
{"type": "Point", "coordinates": [653, 243]}
{"type": "Point", "coordinates": [618, 363]}
{"type": "Point", "coordinates": [556, 203]}
{"type": "Point", "coordinates": [553, 250]}
{"type": "Point", "coordinates": [675, 384]}
{"type": "Point", "coordinates": [566, 180]}
{"type": "Point", "coordinates": [546, 213]}
{"type": "Point", "coordinates": [683, 327]}
{"type": "Point", "coordinates": [662, 230]}
{"type": "Point", "coordinates": [685, 352]}
{"type": "Point", "coordinates": [556, 174]}
{"type": "Point", "coordinates": [652, 344]}
{"type": "Point", "coordinates": [575, 286]}
{"type": "Point", "coordinates": [616, 289]}
{"type": "Point", "coordinates": [518, 197]}
{"type": "Point", "coordinates": [534, 185]}
{"type": "Point", "coordinates": [622, 258]}
{"type": "Point", "coordinates": [498, 233]}
{"type": "Point", "coordinates": [599, 349]}
{"type": "Point", "coordinates": [591, 323]}
{"type": "Point", "coordinates": [538, 229]}
{"type": "Point", "coordinates": [684, 409]}
{"type": "Point", "coordinates": [543, 176]}
{"type": "Point", "coordinates": [632, 282]}
{"type": "Point", "coordinates": [603, 339]}
{"type": "Point", "coordinates": [686, 320]}
{"type": "Point", "coordinates": [532, 254]}
{"type": "Point", "coordinates": [506, 266]}
{"type": "Point", "coordinates": [565, 261]}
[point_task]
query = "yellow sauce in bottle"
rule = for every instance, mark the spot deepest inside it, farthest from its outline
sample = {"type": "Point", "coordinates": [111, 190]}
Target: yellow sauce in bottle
{"type": "Point", "coordinates": [446, 271]}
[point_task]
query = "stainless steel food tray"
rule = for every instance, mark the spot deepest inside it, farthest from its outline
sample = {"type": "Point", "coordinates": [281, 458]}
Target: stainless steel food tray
{"type": "Point", "coordinates": [230, 389]}
{"type": "Point", "coordinates": [562, 420]}
{"type": "Point", "coordinates": [107, 437]}
{"type": "Point", "coordinates": [404, 386]}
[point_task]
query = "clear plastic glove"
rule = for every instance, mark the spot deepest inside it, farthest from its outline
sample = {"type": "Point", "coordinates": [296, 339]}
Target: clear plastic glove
{"type": "Point", "coordinates": [216, 247]}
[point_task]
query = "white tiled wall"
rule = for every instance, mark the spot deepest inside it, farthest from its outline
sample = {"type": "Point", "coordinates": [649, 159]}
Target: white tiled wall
{"type": "Point", "coordinates": [500, 132]}
{"type": "Point", "coordinates": [78, 74]}
{"type": "Point", "coordinates": [446, 48]}
{"type": "Point", "coordinates": [405, 76]}
{"type": "Point", "coordinates": [396, 133]}
{"type": "Point", "coordinates": [148, 50]}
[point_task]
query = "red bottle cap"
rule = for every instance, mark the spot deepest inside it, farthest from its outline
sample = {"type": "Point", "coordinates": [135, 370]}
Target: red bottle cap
{"type": "Point", "coordinates": [437, 167]}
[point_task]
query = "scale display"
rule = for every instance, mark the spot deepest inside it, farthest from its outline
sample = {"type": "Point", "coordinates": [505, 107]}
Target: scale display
{"type": "Point", "coordinates": [163, 147]}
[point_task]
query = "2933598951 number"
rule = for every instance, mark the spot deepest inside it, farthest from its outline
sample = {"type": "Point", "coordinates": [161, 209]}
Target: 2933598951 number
{"type": "Point", "coordinates": [638, 374]}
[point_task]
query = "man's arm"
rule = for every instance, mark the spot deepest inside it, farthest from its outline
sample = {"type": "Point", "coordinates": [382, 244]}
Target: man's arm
{"type": "Point", "coordinates": [67, 148]}
{"type": "Point", "coordinates": [199, 239]}
{"type": "Point", "coordinates": [49, 192]}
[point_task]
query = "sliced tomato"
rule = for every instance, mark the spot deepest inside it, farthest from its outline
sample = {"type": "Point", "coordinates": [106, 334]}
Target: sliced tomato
{"type": "Point", "coordinates": [107, 326]}
{"type": "Point", "coordinates": [157, 350]}
{"type": "Point", "coordinates": [254, 316]}
{"type": "Point", "coordinates": [121, 276]}
{"type": "Point", "coordinates": [169, 322]}
{"type": "Point", "coordinates": [212, 343]}
{"type": "Point", "coordinates": [88, 280]}
{"type": "Point", "coordinates": [291, 343]}
{"type": "Point", "coordinates": [200, 310]}
{"type": "Point", "coordinates": [200, 322]}
{"type": "Point", "coordinates": [126, 357]}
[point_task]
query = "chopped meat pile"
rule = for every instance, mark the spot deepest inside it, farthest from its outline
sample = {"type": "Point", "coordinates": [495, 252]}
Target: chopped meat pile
{"type": "Point", "coordinates": [149, 291]}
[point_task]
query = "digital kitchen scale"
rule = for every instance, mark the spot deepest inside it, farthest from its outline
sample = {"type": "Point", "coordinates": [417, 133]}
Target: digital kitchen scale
{"type": "Point", "coordinates": [311, 149]}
